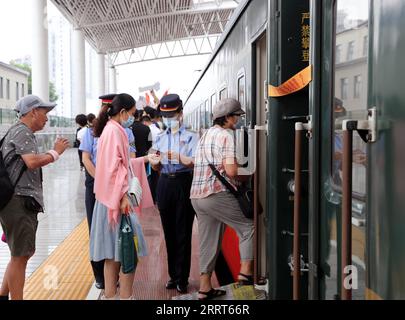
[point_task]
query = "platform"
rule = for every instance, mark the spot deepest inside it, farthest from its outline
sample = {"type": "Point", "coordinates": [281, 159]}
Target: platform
{"type": "Point", "coordinates": [60, 268]}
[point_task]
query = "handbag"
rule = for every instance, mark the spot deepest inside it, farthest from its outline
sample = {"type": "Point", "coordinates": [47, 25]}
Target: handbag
{"type": "Point", "coordinates": [129, 257]}
{"type": "Point", "coordinates": [134, 189]}
{"type": "Point", "coordinates": [243, 194]}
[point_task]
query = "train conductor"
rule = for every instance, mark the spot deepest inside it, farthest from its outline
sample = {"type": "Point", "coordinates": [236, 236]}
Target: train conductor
{"type": "Point", "coordinates": [173, 155]}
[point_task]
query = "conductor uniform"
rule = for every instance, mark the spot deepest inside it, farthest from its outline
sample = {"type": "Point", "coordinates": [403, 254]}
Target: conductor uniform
{"type": "Point", "coordinates": [173, 190]}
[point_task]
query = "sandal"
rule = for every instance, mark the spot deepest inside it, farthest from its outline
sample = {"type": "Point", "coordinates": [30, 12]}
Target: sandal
{"type": "Point", "coordinates": [245, 282]}
{"type": "Point", "coordinates": [212, 294]}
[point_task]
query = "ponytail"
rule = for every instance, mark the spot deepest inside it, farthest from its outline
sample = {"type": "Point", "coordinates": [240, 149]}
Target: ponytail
{"type": "Point", "coordinates": [121, 101]}
{"type": "Point", "coordinates": [101, 122]}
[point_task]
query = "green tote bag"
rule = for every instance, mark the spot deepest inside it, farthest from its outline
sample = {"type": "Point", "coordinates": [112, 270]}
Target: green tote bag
{"type": "Point", "coordinates": [129, 257]}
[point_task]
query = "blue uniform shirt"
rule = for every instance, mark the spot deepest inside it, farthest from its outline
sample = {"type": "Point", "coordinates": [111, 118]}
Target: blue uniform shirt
{"type": "Point", "coordinates": [89, 143]}
{"type": "Point", "coordinates": [182, 142]}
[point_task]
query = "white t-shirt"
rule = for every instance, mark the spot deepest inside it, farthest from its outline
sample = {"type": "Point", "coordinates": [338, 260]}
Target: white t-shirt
{"type": "Point", "coordinates": [81, 133]}
{"type": "Point", "coordinates": [154, 131]}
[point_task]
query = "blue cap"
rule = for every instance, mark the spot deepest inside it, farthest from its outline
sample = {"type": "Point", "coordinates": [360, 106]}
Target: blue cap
{"type": "Point", "coordinates": [30, 102]}
{"type": "Point", "coordinates": [170, 104]}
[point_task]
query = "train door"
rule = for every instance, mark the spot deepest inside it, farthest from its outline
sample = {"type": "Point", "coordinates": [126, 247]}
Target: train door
{"type": "Point", "coordinates": [340, 93]}
{"type": "Point", "coordinates": [385, 165]}
{"type": "Point", "coordinates": [260, 185]}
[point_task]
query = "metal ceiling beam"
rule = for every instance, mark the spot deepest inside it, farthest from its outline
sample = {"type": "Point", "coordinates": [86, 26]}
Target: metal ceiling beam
{"type": "Point", "coordinates": [114, 25]}
{"type": "Point", "coordinates": [148, 17]}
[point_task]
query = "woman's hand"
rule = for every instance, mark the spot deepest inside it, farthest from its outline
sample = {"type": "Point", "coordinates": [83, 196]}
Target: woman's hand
{"type": "Point", "coordinates": [154, 159]}
{"type": "Point", "coordinates": [125, 205]}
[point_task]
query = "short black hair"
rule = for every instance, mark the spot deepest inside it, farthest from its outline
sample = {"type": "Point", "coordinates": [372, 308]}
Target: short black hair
{"type": "Point", "coordinates": [150, 112]}
{"type": "Point", "coordinates": [138, 114]}
{"type": "Point", "coordinates": [146, 118]}
{"type": "Point", "coordinates": [220, 121]}
{"type": "Point", "coordinates": [90, 117]}
{"type": "Point", "coordinates": [81, 120]}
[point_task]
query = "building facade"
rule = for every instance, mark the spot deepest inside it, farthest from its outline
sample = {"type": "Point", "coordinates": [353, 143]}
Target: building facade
{"type": "Point", "coordinates": [13, 86]}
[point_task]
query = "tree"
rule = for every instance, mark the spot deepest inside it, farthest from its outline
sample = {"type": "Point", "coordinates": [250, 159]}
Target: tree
{"type": "Point", "coordinates": [52, 92]}
{"type": "Point", "coordinates": [27, 67]}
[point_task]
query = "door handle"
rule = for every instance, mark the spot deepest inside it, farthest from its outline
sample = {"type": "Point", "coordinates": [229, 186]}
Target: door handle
{"type": "Point", "coordinates": [299, 128]}
{"type": "Point", "coordinates": [367, 130]}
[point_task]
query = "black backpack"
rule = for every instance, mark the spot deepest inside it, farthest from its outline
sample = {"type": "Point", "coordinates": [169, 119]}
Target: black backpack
{"type": "Point", "coordinates": [6, 187]}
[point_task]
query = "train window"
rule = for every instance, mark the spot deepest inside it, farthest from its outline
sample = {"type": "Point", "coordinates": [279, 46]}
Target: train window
{"type": "Point", "coordinates": [242, 91]}
{"type": "Point", "coordinates": [213, 101]}
{"type": "Point", "coordinates": [350, 101]}
{"type": "Point", "coordinates": [202, 116]}
{"type": "Point", "coordinates": [207, 114]}
{"type": "Point", "coordinates": [223, 94]}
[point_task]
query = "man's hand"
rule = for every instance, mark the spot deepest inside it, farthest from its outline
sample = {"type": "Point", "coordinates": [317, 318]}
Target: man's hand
{"type": "Point", "coordinates": [61, 144]}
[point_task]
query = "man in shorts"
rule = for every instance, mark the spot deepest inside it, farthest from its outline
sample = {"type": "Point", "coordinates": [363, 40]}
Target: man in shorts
{"type": "Point", "coordinates": [23, 162]}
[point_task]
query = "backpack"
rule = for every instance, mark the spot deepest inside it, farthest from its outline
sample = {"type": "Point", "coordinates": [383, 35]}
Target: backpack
{"type": "Point", "coordinates": [6, 186]}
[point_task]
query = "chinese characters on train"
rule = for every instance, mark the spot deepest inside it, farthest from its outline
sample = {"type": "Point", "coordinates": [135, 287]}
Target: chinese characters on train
{"type": "Point", "coordinates": [305, 36]}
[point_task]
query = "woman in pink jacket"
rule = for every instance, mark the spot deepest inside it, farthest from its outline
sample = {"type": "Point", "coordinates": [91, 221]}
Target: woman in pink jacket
{"type": "Point", "coordinates": [111, 188]}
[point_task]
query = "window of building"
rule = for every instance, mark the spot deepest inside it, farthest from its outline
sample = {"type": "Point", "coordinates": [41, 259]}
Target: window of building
{"type": "Point", "coordinates": [338, 53]}
{"type": "Point", "coordinates": [1, 88]}
{"type": "Point", "coordinates": [350, 51]}
{"type": "Point", "coordinates": [22, 90]}
{"type": "Point", "coordinates": [223, 94]}
{"type": "Point", "coordinates": [8, 89]}
{"type": "Point", "coordinates": [365, 46]}
{"type": "Point", "coordinates": [357, 86]}
{"type": "Point", "coordinates": [344, 85]}
{"type": "Point", "coordinates": [17, 91]}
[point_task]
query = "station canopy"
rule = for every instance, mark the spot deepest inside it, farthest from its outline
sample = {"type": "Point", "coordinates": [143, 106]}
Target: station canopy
{"type": "Point", "coordinates": [132, 31]}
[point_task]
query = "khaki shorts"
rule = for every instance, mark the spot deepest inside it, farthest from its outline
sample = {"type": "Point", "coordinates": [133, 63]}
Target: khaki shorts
{"type": "Point", "coordinates": [20, 226]}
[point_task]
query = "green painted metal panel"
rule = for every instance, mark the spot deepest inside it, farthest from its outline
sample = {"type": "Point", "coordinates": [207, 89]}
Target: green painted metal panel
{"type": "Point", "coordinates": [285, 60]}
{"type": "Point", "coordinates": [386, 189]}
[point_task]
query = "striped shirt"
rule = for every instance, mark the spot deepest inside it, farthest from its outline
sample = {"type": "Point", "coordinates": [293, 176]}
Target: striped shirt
{"type": "Point", "coordinates": [214, 146]}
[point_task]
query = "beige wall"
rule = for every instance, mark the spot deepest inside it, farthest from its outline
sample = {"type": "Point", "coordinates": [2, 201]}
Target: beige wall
{"type": "Point", "coordinates": [349, 69]}
{"type": "Point", "coordinates": [14, 76]}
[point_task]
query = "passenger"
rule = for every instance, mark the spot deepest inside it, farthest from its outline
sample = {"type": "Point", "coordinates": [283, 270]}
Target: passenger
{"type": "Point", "coordinates": [173, 155]}
{"type": "Point", "coordinates": [91, 120]}
{"type": "Point", "coordinates": [141, 132]}
{"type": "Point", "coordinates": [151, 122]}
{"type": "Point", "coordinates": [81, 120]}
{"type": "Point", "coordinates": [89, 149]}
{"type": "Point", "coordinates": [24, 162]}
{"type": "Point", "coordinates": [153, 176]}
{"type": "Point", "coordinates": [214, 204]}
{"type": "Point", "coordinates": [110, 187]}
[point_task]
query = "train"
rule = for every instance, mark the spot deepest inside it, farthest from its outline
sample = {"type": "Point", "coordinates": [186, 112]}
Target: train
{"type": "Point", "coordinates": [320, 81]}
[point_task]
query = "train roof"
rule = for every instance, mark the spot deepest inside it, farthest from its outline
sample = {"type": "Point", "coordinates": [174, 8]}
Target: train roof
{"type": "Point", "coordinates": [229, 27]}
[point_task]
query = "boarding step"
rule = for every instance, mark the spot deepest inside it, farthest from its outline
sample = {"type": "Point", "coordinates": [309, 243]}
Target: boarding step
{"type": "Point", "coordinates": [233, 292]}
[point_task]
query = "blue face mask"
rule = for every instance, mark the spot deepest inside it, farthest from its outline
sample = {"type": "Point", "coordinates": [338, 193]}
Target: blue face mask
{"type": "Point", "coordinates": [129, 122]}
{"type": "Point", "coordinates": [172, 123]}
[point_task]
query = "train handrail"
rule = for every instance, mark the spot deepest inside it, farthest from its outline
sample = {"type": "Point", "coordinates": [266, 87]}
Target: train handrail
{"type": "Point", "coordinates": [299, 128]}
{"type": "Point", "coordinates": [367, 129]}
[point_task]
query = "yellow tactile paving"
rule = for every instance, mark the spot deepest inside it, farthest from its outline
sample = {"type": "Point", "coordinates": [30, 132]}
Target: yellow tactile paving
{"type": "Point", "coordinates": [66, 274]}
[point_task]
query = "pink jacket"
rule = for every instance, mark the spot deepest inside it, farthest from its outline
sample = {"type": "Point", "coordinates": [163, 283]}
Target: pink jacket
{"type": "Point", "coordinates": [111, 180]}
{"type": "Point", "coordinates": [138, 166]}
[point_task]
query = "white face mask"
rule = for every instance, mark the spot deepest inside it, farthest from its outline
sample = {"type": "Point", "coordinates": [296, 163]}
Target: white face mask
{"type": "Point", "coordinates": [172, 123]}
